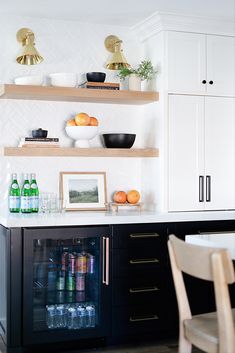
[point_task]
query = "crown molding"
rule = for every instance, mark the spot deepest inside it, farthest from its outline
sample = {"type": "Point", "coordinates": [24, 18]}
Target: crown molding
{"type": "Point", "coordinates": [169, 21]}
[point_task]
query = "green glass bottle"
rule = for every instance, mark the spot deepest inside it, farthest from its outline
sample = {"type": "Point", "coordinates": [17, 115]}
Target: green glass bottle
{"type": "Point", "coordinates": [14, 195]}
{"type": "Point", "coordinates": [34, 194]}
{"type": "Point", "coordinates": [25, 196]}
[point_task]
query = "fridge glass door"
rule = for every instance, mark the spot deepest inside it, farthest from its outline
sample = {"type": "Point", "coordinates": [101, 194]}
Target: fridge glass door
{"type": "Point", "coordinates": [66, 284]}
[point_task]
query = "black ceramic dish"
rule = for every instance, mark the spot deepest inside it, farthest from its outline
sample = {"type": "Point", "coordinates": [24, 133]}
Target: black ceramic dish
{"type": "Point", "coordinates": [118, 140]}
{"type": "Point", "coordinates": [39, 133]}
{"type": "Point", "coordinates": [95, 76]}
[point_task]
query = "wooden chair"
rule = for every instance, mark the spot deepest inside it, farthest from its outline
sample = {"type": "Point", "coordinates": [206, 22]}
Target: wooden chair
{"type": "Point", "coordinates": [210, 332]}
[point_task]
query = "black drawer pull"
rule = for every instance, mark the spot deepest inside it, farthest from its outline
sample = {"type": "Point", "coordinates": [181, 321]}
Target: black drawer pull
{"type": "Point", "coordinates": [143, 261]}
{"type": "Point", "coordinates": [143, 235]}
{"type": "Point", "coordinates": [143, 318]}
{"type": "Point", "coordinates": [144, 289]}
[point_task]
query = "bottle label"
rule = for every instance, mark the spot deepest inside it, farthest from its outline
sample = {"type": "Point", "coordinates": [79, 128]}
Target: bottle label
{"type": "Point", "coordinates": [33, 186]}
{"type": "Point", "coordinates": [14, 202]}
{"type": "Point", "coordinates": [14, 186]}
{"type": "Point", "coordinates": [25, 202]}
{"type": "Point", "coordinates": [26, 186]}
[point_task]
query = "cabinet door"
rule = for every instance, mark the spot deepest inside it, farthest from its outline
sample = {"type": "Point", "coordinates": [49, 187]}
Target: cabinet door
{"type": "Point", "coordinates": [186, 152]}
{"type": "Point", "coordinates": [220, 65]}
{"type": "Point", "coordinates": [219, 153]}
{"type": "Point", "coordinates": [186, 62]}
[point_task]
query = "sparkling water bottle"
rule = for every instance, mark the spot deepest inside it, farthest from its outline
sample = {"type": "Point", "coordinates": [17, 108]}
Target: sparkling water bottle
{"type": "Point", "coordinates": [25, 196]}
{"type": "Point", "coordinates": [34, 194]}
{"type": "Point", "coordinates": [14, 195]}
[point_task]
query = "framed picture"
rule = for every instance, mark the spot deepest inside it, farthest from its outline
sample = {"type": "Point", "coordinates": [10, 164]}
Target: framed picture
{"type": "Point", "coordinates": [83, 190]}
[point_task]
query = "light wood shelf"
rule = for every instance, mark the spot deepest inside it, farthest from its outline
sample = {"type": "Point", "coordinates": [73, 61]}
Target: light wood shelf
{"type": "Point", "coordinates": [12, 91]}
{"type": "Point", "coordinates": [77, 152]}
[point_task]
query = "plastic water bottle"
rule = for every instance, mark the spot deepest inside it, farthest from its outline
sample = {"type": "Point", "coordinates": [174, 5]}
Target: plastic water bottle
{"type": "Point", "coordinates": [51, 316]}
{"type": "Point", "coordinates": [81, 313]}
{"type": "Point", "coordinates": [72, 318]}
{"type": "Point", "coordinates": [90, 317]}
{"type": "Point", "coordinates": [60, 317]}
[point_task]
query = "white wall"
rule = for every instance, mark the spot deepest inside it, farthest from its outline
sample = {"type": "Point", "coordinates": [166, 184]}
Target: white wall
{"type": "Point", "coordinates": [72, 47]}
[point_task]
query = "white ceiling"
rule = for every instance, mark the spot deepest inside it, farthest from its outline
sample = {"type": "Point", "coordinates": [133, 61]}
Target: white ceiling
{"type": "Point", "coordinates": [119, 12]}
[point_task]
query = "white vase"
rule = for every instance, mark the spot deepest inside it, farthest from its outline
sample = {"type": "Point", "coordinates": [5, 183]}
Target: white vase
{"type": "Point", "coordinates": [134, 83]}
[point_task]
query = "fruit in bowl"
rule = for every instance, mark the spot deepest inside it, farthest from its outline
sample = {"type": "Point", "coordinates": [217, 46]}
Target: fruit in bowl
{"type": "Point", "coordinates": [120, 197]}
{"type": "Point", "coordinates": [131, 197]}
{"type": "Point", "coordinates": [82, 129]}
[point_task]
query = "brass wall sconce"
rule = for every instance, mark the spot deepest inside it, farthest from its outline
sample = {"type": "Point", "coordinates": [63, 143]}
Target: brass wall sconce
{"type": "Point", "coordinates": [117, 60]}
{"type": "Point", "coordinates": [30, 55]}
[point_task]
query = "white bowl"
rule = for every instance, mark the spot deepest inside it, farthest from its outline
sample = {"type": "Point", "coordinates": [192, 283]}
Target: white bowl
{"type": "Point", "coordinates": [34, 80]}
{"type": "Point", "coordinates": [63, 79]}
{"type": "Point", "coordinates": [82, 134]}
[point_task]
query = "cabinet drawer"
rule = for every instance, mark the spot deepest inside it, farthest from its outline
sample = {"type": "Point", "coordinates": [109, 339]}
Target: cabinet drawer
{"type": "Point", "coordinates": [132, 261]}
{"type": "Point", "coordinates": [138, 235]}
{"type": "Point", "coordinates": [139, 319]}
{"type": "Point", "coordinates": [139, 289]}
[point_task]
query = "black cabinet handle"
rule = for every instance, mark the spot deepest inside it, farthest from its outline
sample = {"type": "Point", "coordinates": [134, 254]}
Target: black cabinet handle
{"type": "Point", "coordinates": [143, 261]}
{"type": "Point", "coordinates": [211, 82]}
{"type": "Point", "coordinates": [208, 188]}
{"type": "Point", "coordinates": [201, 188]}
{"type": "Point", "coordinates": [204, 82]}
{"type": "Point", "coordinates": [143, 235]}
{"type": "Point", "coordinates": [144, 289]}
{"type": "Point", "coordinates": [143, 318]}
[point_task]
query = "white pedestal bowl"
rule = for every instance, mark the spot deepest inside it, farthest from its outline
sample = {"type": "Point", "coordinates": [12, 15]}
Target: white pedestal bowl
{"type": "Point", "coordinates": [81, 134]}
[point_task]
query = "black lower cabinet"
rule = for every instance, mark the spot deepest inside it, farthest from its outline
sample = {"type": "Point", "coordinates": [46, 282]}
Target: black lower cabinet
{"type": "Point", "coordinates": [141, 296]}
{"type": "Point", "coordinates": [65, 288]}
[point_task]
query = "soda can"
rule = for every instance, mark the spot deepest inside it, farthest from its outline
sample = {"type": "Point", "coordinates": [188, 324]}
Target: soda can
{"type": "Point", "coordinates": [80, 282]}
{"type": "Point", "coordinates": [71, 263]}
{"type": "Point", "coordinates": [70, 282]}
{"type": "Point", "coordinates": [64, 261]}
{"type": "Point", "coordinates": [81, 263]}
{"type": "Point", "coordinates": [90, 263]}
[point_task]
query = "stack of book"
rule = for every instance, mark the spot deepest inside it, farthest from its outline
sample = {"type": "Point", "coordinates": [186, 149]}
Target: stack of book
{"type": "Point", "coordinates": [39, 142]}
{"type": "Point", "coordinates": [101, 85]}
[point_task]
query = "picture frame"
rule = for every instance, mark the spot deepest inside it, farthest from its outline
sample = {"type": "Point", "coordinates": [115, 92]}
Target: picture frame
{"type": "Point", "coordinates": [83, 191]}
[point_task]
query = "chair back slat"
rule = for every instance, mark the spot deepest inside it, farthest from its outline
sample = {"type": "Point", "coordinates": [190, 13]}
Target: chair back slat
{"type": "Point", "coordinates": [195, 260]}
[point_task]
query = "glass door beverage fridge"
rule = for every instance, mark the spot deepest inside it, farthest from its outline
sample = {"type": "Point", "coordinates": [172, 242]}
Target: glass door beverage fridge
{"type": "Point", "coordinates": [66, 286]}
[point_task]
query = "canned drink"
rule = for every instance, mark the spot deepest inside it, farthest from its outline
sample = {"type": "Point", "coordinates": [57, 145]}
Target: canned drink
{"type": "Point", "coordinates": [80, 282]}
{"type": "Point", "coordinates": [90, 263]}
{"type": "Point", "coordinates": [69, 297]}
{"type": "Point", "coordinates": [60, 297]}
{"type": "Point", "coordinates": [81, 263]}
{"type": "Point", "coordinates": [70, 282]}
{"type": "Point", "coordinates": [64, 261]}
{"type": "Point", "coordinates": [60, 282]}
{"type": "Point", "coordinates": [71, 263]}
{"type": "Point", "coordinates": [80, 296]}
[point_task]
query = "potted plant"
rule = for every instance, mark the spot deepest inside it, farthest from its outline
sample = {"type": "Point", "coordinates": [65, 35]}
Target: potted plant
{"type": "Point", "coordinates": [145, 71]}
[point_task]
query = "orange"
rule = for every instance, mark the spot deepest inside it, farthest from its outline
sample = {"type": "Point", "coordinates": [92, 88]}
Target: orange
{"type": "Point", "coordinates": [93, 121]}
{"type": "Point", "coordinates": [133, 196]}
{"type": "Point", "coordinates": [71, 122]}
{"type": "Point", "coordinates": [119, 197]}
{"type": "Point", "coordinates": [82, 119]}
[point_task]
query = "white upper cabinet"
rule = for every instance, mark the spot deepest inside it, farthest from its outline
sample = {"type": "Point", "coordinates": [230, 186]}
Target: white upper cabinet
{"type": "Point", "coordinates": [201, 153]}
{"type": "Point", "coordinates": [200, 64]}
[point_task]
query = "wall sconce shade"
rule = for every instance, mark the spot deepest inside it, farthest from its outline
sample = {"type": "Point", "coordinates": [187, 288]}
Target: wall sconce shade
{"type": "Point", "coordinates": [30, 55]}
{"type": "Point", "coordinates": [117, 60]}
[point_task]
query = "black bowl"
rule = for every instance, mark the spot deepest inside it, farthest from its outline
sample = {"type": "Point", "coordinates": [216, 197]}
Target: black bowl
{"type": "Point", "coordinates": [95, 76]}
{"type": "Point", "coordinates": [39, 133]}
{"type": "Point", "coordinates": [118, 140]}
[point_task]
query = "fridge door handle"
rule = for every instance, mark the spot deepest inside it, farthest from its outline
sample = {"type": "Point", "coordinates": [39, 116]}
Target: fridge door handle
{"type": "Point", "coordinates": [208, 188]}
{"type": "Point", "coordinates": [105, 267]}
{"type": "Point", "coordinates": [201, 188]}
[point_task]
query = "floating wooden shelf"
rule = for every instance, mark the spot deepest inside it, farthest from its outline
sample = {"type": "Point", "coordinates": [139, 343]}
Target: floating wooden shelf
{"type": "Point", "coordinates": [78, 152]}
{"type": "Point", "coordinates": [11, 91]}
